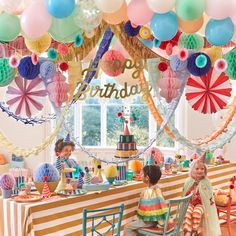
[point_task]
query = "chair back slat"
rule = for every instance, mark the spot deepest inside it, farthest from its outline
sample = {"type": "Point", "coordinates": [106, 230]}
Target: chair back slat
{"type": "Point", "coordinates": [106, 216]}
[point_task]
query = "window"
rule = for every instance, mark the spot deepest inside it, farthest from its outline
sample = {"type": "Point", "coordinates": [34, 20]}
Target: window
{"type": "Point", "coordinates": [96, 123]}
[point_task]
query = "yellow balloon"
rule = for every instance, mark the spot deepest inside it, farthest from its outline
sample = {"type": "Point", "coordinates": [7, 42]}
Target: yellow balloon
{"type": "Point", "coordinates": [214, 53]}
{"type": "Point", "coordinates": [39, 45]}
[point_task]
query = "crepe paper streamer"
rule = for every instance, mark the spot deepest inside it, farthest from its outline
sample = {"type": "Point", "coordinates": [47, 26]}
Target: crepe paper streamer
{"type": "Point", "coordinates": [58, 89]}
{"type": "Point", "coordinates": [74, 74]}
{"type": "Point", "coordinates": [131, 30]}
{"type": "Point", "coordinates": [208, 94]}
{"type": "Point", "coordinates": [25, 97]}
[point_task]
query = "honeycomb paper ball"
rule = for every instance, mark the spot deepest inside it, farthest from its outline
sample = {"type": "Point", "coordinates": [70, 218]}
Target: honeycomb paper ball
{"type": "Point", "coordinates": [193, 66]}
{"type": "Point", "coordinates": [110, 171]}
{"type": "Point", "coordinates": [231, 59]}
{"type": "Point", "coordinates": [2, 159]}
{"type": "Point", "coordinates": [112, 63]}
{"type": "Point", "coordinates": [214, 53]}
{"type": "Point", "coordinates": [7, 73]}
{"type": "Point", "coordinates": [177, 64]}
{"type": "Point", "coordinates": [47, 70]}
{"type": "Point", "coordinates": [46, 169]}
{"type": "Point", "coordinates": [39, 45]}
{"type": "Point", "coordinates": [7, 181]}
{"type": "Point", "coordinates": [27, 69]}
{"type": "Point", "coordinates": [191, 41]}
{"type": "Point", "coordinates": [136, 166]}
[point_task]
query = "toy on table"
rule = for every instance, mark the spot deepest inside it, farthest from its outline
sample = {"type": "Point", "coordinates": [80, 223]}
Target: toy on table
{"type": "Point", "coordinates": [87, 176]}
{"type": "Point", "coordinates": [62, 183]}
{"type": "Point", "coordinates": [7, 182]}
{"type": "Point", "coordinates": [99, 173]}
{"type": "Point", "coordinates": [46, 191]}
{"type": "Point", "coordinates": [80, 179]}
{"type": "Point", "coordinates": [168, 165]}
{"type": "Point", "coordinates": [96, 163]}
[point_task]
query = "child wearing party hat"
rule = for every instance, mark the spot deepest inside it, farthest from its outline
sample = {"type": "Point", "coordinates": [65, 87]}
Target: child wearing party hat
{"type": "Point", "coordinates": [152, 208]}
{"type": "Point", "coordinates": [63, 149]}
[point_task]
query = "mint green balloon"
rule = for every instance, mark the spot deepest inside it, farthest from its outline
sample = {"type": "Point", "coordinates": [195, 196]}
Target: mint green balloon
{"type": "Point", "coordinates": [9, 27]}
{"type": "Point", "coordinates": [64, 30]}
{"type": "Point", "coordinates": [190, 9]}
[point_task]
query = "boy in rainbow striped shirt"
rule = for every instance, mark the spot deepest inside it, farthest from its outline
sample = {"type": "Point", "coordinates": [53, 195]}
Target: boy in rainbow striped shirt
{"type": "Point", "coordinates": [152, 208]}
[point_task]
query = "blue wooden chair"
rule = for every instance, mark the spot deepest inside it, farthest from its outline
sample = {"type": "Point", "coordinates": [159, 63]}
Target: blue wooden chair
{"type": "Point", "coordinates": [105, 216]}
{"type": "Point", "coordinates": [170, 229]}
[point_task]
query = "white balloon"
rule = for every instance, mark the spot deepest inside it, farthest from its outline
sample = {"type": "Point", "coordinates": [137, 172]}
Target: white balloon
{"type": "Point", "coordinates": [219, 9]}
{"type": "Point", "coordinates": [14, 6]}
{"type": "Point", "coordinates": [161, 6]}
{"type": "Point", "coordinates": [109, 6]}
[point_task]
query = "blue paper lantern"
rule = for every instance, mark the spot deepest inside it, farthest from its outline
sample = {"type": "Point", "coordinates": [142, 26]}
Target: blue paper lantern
{"type": "Point", "coordinates": [164, 26]}
{"type": "Point", "coordinates": [219, 32]}
{"type": "Point", "coordinates": [27, 69]}
{"type": "Point", "coordinates": [46, 169]}
{"type": "Point", "coordinates": [60, 8]}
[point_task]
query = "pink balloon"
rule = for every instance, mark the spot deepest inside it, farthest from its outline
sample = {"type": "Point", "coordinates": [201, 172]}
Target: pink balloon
{"type": "Point", "coordinates": [139, 13]}
{"type": "Point", "coordinates": [35, 20]}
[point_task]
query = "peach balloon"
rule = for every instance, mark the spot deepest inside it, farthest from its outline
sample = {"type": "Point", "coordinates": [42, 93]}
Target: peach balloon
{"type": "Point", "coordinates": [116, 17]}
{"type": "Point", "coordinates": [192, 26]}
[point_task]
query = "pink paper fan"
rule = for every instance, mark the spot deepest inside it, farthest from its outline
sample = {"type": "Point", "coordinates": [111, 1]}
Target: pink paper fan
{"type": "Point", "coordinates": [25, 97]}
{"type": "Point", "coordinates": [208, 94]}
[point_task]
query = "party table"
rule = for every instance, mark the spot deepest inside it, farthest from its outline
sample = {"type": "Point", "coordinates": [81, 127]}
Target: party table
{"type": "Point", "coordinates": [63, 216]}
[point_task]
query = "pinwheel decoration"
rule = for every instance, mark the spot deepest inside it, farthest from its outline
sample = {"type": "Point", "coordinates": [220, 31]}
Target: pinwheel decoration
{"type": "Point", "coordinates": [25, 97]}
{"type": "Point", "coordinates": [209, 93]}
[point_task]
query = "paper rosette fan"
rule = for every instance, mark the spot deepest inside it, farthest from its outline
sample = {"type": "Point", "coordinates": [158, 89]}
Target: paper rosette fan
{"type": "Point", "coordinates": [209, 93]}
{"type": "Point", "coordinates": [25, 97]}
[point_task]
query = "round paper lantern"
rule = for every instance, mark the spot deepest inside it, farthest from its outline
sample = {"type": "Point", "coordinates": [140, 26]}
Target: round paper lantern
{"type": "Point", "coordinates": [139, 13]}
{"type": "Point", "coordinates": [58, 89]}
{"type": "Point", "coordinates": [7, 181]}
{"type": "Point", "coordinates": [2, 159]}
{"type": "Point", "coordinates": [112, 63]}
{"type": "Point", "coordinates": [218, 9]}
{"type": "Point", "coordinates": [190, 9]}
{"type": "Point", "coordinates": [39, 45]}
{"type": "Point", "coordinates": [110, 171]}
{"type": "Point", "coordinates": [7, 73]}
{"type": "Point", "coordinates": [60, 8]}
{"type": "Point", "coordinates": [64, 30]}
{"type": "Point", "coordinates": [191, 41]}
{"type": "Point", "coordinates": [62, 49]}
{"type": "Point", "coordinates": [136, 166]}
{"type": "Point", "coordinates": [118, 16]}
{"type": "Point", "coordinates": [177, 65]}
{"type": "Point", "coordinates": [46, 169]}
{"type": "Point", "coordinates": [47, 70]}
{"type": "Point", "coordinates": [164, 26]}
{"type": "Point", "coordinates": [87, 16]}
{"type": "Point", "coordinates": [9, 27]}
{"type": "Point", "coordinates": [231, 59]}
{"type": "Point", "coordinates": [109, 6]}
{"type": "Point", "coordinates": [35, 27]}
{"type": "Point", "coordinates": [160, 6]}
{"type": "Point", "coordinates": [199, 66]}
{"type": "Point", "coordinates": [192, 26]}
{"type": "Point", "coordinates": [27, 69]}
{"type": "Point", "coordinates": [131, 30]}
{"type": "Point", "coordinates": [219, 32]}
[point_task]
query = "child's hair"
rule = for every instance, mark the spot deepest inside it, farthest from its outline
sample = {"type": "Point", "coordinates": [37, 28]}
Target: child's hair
{"type": "Point", "coordinates": [194, 163]}
{"type": "Point", "coordinates": [153, 172]}
{"type": "Point", "coordinates": [60, 144]}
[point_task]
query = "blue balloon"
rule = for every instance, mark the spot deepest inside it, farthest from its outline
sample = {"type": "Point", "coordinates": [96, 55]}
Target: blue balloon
{"type": "Point", "coordinates": [164, 26]}
{"type": "Point", "coordinates": [219, 32]}
{"type": "Point", "coordinates": [60, 8]}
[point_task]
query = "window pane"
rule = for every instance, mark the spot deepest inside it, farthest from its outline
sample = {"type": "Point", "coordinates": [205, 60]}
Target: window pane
{"type": "Point", "coordinates": [91, 125]}
{"type": "Point", "coordinates": [140, 127]}
{"type": "Point", "coordinates": [114, 126]}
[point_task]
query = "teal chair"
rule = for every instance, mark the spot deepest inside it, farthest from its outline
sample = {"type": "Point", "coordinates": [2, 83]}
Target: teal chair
{"type": "Point", "coordinates": [105, 215]}
{"type": "Point", "coordinates": [171, 229]}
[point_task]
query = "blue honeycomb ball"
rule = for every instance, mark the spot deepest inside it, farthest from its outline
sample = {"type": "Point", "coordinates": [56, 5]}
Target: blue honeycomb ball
{"type": "Point", "coordinates": [205, 64]}
{"type": "Point", "coordinates": [177, 65]}
{"type": "Point", "coordinates": [7, 73]}
{"type": "Point", "coordinates": [27, 69]}
{"type": "Point", "coordinates": [47, 70]}
{"type": "Point", "coordinates": [46, 169]}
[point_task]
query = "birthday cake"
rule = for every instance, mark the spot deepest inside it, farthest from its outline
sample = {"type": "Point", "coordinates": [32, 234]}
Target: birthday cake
{"type": "Point", "coordinates": [126, 146]}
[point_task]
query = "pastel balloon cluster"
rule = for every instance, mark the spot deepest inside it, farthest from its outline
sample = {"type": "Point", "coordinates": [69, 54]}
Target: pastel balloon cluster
{"type": "Point", "coordinates": [58, 89]}
{"type": "Point", "coordinates": [46, 169]}
{"type": "Point", "coordinates": [169, 85]}
{"type": "Point", "coordinates": [7, 181]}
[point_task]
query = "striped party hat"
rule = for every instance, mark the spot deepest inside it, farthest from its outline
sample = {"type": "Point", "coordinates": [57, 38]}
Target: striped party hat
{"type": "Point", "coordinates": [67, 138]}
